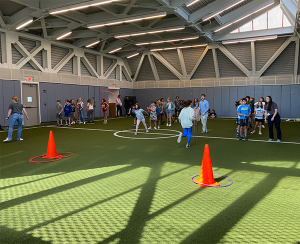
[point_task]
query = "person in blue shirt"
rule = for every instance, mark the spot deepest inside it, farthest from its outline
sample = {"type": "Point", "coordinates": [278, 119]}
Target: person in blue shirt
{"type": "Point", "coordinates": [204, 106]}
{"type": "Point", "coordinates": [244, 112]}
{"type": "Point", "coordinates": [68, 110]}
{"type": "Point", "coordinates": [140, 117]}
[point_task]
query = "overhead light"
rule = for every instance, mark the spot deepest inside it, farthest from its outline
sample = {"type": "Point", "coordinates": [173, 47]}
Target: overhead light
{"type": "Point", "coordinates": [188, 5]}
{"type": "Point", "coordinates": [249, 40]}
{"type": "Point", "coordinates": [115, 50]}
{"type": "Point", "coordinates": [150, 32]}
{"type": "Point", "coordinates": [162, 14]}
{"type": "Point", "coordinates": [225, 26]}
{"type": "Point", "coordinates": [92, 44]}
{"type": "Point", "coordinates": [173, 40]}
{"type": "Point", "coordinates": [133, 55]}
{"type": "Point", "coordinates": [170, 48]}
{"type": "Point", "coordinates": [24, 24]}
{"type": "Point", "coordinates": [64, 35]}
{"type": "Point", "coordinates": [231, 6]}
{"type": "Point", "coordinates": [79, 7]}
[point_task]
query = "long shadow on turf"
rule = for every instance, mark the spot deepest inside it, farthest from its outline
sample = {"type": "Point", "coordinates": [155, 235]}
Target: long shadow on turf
{"type": "Point", "coordinates": [213, 231]}
{"type": "Point", "coordinates": [12, 236]}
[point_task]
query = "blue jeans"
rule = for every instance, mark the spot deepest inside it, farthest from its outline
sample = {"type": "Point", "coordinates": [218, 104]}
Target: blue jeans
{"type": "Point", "coordinates": [187, 132]}
{"type": "Point", "coordinates": [81, 115]}
{"type": "Point", "coordinates": [13, 119]}
{"type": "Point", "coordinates": [277, 126]}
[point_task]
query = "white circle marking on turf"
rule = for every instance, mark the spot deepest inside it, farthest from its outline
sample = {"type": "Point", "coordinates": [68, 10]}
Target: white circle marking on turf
{"type": "Point", "coordinates": [146, 138]}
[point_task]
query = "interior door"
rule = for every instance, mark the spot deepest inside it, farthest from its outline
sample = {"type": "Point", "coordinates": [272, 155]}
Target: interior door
{"type": "Point", "coordinates": [31, 103]}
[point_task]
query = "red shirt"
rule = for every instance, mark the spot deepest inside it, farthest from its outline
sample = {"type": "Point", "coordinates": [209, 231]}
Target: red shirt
{"type": "Point", "coordinates": [104, 106]}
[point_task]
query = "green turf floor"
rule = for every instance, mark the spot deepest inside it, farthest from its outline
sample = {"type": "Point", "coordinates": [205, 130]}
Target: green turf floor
{"type": "Point", "coordinates": [125, 190]}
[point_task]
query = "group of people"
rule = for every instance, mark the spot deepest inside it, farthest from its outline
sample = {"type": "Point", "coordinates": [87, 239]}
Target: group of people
{"type": "Point", "coordinates": [255, 115]}
{"type": "Point", "coordinates": [70, 109]}
{"type": "Point", "coordinates": [249, 115]}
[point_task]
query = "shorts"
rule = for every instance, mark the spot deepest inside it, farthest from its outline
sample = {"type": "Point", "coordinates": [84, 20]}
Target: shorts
{"type": "Point", "coordinates": [159, 116]}
{"type": "Point", "coordinates": [243, 122]}
{"type": "Point", "coordinates": [177, 110]}
{"type": "Point", "coordinates": [67, 115]}
{"type": "Point", "coordinates": [104, 110]}
{"type": "Point", "coordinates": [169, 111]}
{"type": "Point", "coordinates": [59, 116]}
{"type": "Point", "coordinates": [238, 121]}
{"type": "Point", "coordinates": [73, 112]}
{"type": "Point", "coordinates": [259, 120]}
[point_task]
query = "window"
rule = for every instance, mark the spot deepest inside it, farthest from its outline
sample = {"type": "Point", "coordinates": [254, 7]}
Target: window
{"type": "Point", "coordinates": [275, 18]}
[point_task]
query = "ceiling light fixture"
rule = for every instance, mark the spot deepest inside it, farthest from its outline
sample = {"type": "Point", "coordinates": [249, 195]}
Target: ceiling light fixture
{"type": "Point", "coordinates": [92, 44]}
{"type": "Point", "coordinates": [115, 50]}
{"type": "Point", "coordinates": [129, 20]}
{"type": "Point", "coordinates": [225, 26]}
{"type": "Point", "coordinates": [150, 32]}
{"type": "Point", "coordinates": [64, 35]}
{"type": "Point", "coordinates": [231, 6]}
{"type": "Point", "coordinates": [250, 40]}
{"type": "Point", "coordinates": [170, 48]}
{"type": "Point", "coordinates": [190, 4]}
{"type": "Point", "coordinates": [24, 24]}
{"type": "Point", "coordinates": [133, 55]}
{"type": "Point", "coordinates": [173, 40]}
{"type": "Point", "coordinates": [58, 11]}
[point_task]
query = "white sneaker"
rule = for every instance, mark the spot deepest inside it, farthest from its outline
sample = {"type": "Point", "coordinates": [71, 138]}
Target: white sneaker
{"type": "Point", "coordinates": [263, 126]}
{"type": "Point", "coordinates": [155, 128]}
{"type": "Point", "coordinates": [158, 127]}
{"type": "Point", "coordinates": [84, 123]}
{"type": "Point", "coordinates": [278, 140]}
{"type": "Point", "coordinates": [170, 124]}
{"type": "Point", "coordinates": [6, 140]}
{"type": "Point", "coordinates": [147, 131]}
{"type": "Point", "coordinates": [167, 124]}
{"type": "Point", "coordinates": [21, 139]}
{"type": "Point", "coordinates": [271, 140]}
{"type": "Point", "coordinates": [149, 128]}
{"type": "Point", "coordinates": [179, 138]}
{"type": "Point", "coordinates": [135, 133]}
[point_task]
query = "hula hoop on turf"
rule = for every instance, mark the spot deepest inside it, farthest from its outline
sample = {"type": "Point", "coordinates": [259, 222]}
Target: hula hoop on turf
{"type": "Point", "coordinates": [192, 179]}
{"type": "Point", "coordinates": [71, 154]}
{"type": "Point", "coordinates": [32, 161]}
{"type": "Point", "coordinates": [107, 98]}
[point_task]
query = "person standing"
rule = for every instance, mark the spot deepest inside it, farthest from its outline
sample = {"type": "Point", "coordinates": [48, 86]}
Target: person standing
{"type": "Point", "coordinates": [177, 107]}
{"type": "Point", "coordinates": [204, 106]}
{"type": "Point", "coordinates": [119, 106]}
{"type": "Point", "coordinates": [81, 111]}
{"type": "Point", "coordinates": [90, 111]}
{"type": "Point", "coordinates": [127, 106]}
{"type": "Point", "coordinates": [15, 109]}
{"type": "Point", "coordinates": [272, 117]}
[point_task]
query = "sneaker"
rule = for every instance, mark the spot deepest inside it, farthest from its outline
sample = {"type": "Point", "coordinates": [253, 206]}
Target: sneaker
{"type": "Point", "coordinates": [278, 140]}
{"type": "Point", "coordinates": [173, 121]}
{"type": "Point", "coordinates": [260, 133]}
{"type": "Point", "coordinates": [271, 140]}
{"type": "Point", "coordinates": [61, 125]}
{"type": "Point", "coordinates": [262, 126]}
{"type": "Point", "coordinates": [253, 132]}
{"type": "Point", "coordinates": [237, 134]}
{"type": "Point", "coordinates": [243, 135]}
{"type": "Point", "coordinates": [21, 139]}
{"type": "Point", "coordinates": [66, 124]}
{"type": "Point", "coordinates": [179, 138]}
{"type": "Point", "coordinates": [69, 124]}
{"type": "Point", "coordinates": [80, 122]}
{"type": "Point", "coordinates": [188, 145]}
{"type": "Point", "coordinates": [84, 123]}
{"type": "Point", "coordinates": [149, 128]}
{"type": "Point", "coordinates": [203, 132]}
{"type": "Point", "coordinates": [147, 131]}
{"type": "Point", "coordinates": [57, 125]}
{"type": "Point", "coordinates": [246, 139]}
{"type": "Point", "coordinates": [176, 121]}
{"type": "Point", "coordinates": [135, 133]}
{"type": "Point", "coordinates": [158, 127]}
{"type": "Point", "coordinates": [241, 138]}
{"type": "Point", "coordinates": [92, 123]}
{"type": "Point", "coordinates": [155, 128]}
{"type": "Point", "coordinates": [134, 124]}
{"type": "Point", "coordinates": [169, 124]}
{"type": "Point", "coordinates": [6, 140]}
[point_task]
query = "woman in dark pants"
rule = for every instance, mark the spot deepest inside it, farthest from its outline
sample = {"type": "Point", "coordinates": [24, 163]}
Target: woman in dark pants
{"type": "Point", "coordinates": [273, 117]}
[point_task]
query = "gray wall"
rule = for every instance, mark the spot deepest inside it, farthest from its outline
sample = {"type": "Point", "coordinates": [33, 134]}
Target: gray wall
{"type": "Point", "coordinates": [222, 99]}
{"type": "Point", "coordinates": [8, 88]}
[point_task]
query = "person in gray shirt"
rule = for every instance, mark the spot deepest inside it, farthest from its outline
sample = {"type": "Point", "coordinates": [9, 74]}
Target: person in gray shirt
{"type": "Point", "coordinates": [15, 109]}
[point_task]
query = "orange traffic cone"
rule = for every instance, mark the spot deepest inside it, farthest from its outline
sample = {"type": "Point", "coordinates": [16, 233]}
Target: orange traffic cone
{"type": "Point", "coordinates": [206, 174]}
{"type": "Point", "coordinates": [51, 150]}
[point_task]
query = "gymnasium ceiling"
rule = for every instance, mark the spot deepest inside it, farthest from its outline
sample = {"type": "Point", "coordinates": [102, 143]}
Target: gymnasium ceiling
{"type": "Point", "coordinates": [187, 17]}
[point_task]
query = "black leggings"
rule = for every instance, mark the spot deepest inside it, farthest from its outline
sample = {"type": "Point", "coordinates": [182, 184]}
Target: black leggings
{"type": "Point", "coordinates": [276, 121]}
